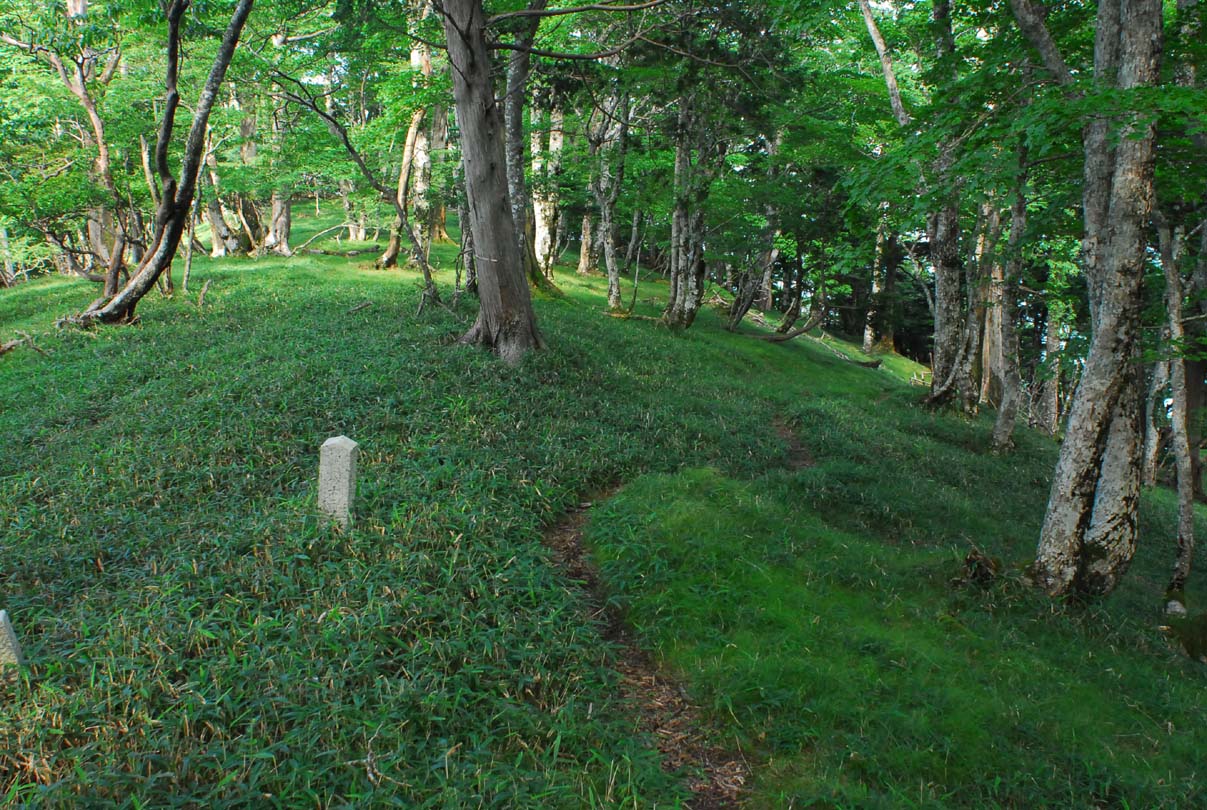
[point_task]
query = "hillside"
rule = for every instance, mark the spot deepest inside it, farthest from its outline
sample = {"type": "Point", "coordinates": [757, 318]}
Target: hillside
{"type": "Point", "coordinates": [787, 537]}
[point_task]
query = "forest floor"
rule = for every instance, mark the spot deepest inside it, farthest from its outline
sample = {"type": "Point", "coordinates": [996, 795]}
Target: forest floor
{"type": "Point", "coordinates": [784, 552]}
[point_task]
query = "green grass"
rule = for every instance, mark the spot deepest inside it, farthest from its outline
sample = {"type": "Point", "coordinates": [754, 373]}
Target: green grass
{"type": "Point", "coordinates": [816, 616]}
{"type": "Point", "coordinates": [199, 638]}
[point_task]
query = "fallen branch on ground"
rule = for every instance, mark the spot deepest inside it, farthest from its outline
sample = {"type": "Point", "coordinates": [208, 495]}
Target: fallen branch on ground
{"type": "Point", "coordinates": [23, 339]}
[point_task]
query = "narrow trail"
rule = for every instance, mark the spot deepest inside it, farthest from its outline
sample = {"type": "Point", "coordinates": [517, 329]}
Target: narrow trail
{"type": "Point", "coordinates": [718, 774]}
{"type": "Point", "coordinates": [798, 454]}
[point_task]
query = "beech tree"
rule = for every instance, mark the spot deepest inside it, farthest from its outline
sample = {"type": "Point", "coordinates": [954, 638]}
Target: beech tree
{"type": "Point", "coordinates": [1089, 531]}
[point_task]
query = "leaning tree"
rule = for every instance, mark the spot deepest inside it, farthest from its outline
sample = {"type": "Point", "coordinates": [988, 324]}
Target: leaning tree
{"type": "Point", "coordinates": [176, 198]}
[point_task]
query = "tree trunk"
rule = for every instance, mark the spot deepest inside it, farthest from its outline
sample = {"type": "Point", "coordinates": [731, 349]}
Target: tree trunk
{"type": "Point", "coordinates": [694, 170]}
{"type": "Point", "coordinates": [506, 322]}
{"type": "Point", "coordinates": [877, 286]}
{"type": "Point", "coordinates": [8, 272]}
{"type": "Point", "coordinates": [1171, 253]}
{"type": "Point", "coordinates": [1089, 530]}
{"type": "Point", "coordinates": [518, 67]}
{"type": "Point", "coordinates": [607, 142]}
{"type": "Point", "coordinates": [177, 199]}
{"type": "Point", "coordinates": [279, 226]}
{"type": "Point", "coordinates": [585, 248]}
{"type": "Point", "coordinates": [1050, 411]}
{"type": "Point", "coordinates": [421, 200]}
{"type": "Point", "coordinates": [394, 248]}
{"type": "Point", "coordinates": [438, 144]}
{"type": "Point", "coordinates": [223, 240]}
{"type": "Point", "coordinates": [546, 171]}
{"type": "Point", "coordinates": [1007, 315]}
{"type": "Point", "coordinates": [1154, 416]}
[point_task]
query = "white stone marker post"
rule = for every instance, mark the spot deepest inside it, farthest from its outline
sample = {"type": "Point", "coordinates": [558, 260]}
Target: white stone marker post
{"type": "Point", "coordinates": [337, 478]}
{"type": "Point", "coordinates": [10, 648]}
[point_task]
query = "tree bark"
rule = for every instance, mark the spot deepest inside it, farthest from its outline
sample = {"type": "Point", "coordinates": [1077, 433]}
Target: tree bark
{"type": "Point", "coordinates": [1007, 315]}
{"type": "Point", "coordinates": [695, 166]}
{"type": "Point", "coordinates": [518, 68]}
{"type": "Point", "coordinates": [223, 240]}
{"type": "Point", "coordinates": [585, 251]}
{"type": "Point", "coordinates": [546, 171]}
{"type": "Point", "coordinates": [177, 199]}
{"type": "Point", "coordinates": [877, 285]}
{"type": "Point", "coordinates": [607, 143]}
{"type": "Point", "coordinates": [506, 322]}
{"type": "Point", "coordinates": [1154, 416]}
{"type": "Point", "coordinates": [1170, 247]}
{"type": "Point", "coordinates": [1089, 531]}
{"type": "Point", "coordinates": [280, 225]}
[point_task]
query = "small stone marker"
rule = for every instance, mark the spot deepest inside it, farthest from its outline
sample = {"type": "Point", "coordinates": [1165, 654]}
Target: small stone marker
{"type": "Point", "coordinates": [10, 648]}
{"type": "Point", "coordinates": [337, 478]}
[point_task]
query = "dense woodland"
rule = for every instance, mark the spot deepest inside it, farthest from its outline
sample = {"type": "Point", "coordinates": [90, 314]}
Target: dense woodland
{"type": "Point", "coordinates": [1012, 194]}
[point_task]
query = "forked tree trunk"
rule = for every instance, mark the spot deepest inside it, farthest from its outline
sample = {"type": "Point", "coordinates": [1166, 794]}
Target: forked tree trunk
{"type": "Point", "coordinates": [223, 241]}
{"type": "Point", "coordinates": [1089, 532]}
{"type": "Point", "coordinates": [506, 322]}
{"type": "Point", "coordinates": [177, 199]}
{"type": "Point", "coordinates": [607, 142]}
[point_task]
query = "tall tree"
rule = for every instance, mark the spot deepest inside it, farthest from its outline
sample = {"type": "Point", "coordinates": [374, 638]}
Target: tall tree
{"type": "Point", "coordinates": [1089, 531]}
{"type": "Point", "coordinates": [506, 322]}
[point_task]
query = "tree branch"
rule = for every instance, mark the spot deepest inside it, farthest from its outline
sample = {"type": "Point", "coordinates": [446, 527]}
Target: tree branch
{"type": "Point", "coordinates": [1031, 22]}
{"type": "Point", "coordinates": [557, 12]}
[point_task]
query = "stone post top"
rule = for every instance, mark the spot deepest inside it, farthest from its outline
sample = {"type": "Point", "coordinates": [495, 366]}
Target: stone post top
{"type": "Point", "coordinates": [340, 443]}
{"type": "Point", "coordinates": [10, 648]}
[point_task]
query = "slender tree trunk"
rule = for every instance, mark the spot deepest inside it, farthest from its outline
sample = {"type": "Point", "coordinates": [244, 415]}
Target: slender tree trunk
{"type": "Point", "coordinates": [518, 68]}
{"type": "Point", "coordinates": [223, 241]}
{"type": "Point", "coordinates": [506, 322]}
{"type": "Point", "coordinates": [877, 287]}
{"type": "Point", "coordinates": [421, 203]}
{"type": "Point", "coordinates": [1154, 416]}
{"type": "Point", "coordinates": [607, 141]}
{"type": "Point", "coordinates": [584, 247]}
{"type": "Point", "coordinates": [177, 199]}
{"type": "Point", "coordinates": [1170, 246]}
{"type": "Point", "coordinates": [1007, 315]}
{"type": "Point", "coordinates": [394, 248]}
{"type": "Point", "coordinates": [8, 272]}
{"type": "Point", "coordinates": [546, 169]}
{"type": "Point", "coordinates": [188, 248]}
{"type": "Point", "coordinates": [438, 142]}
{"type": "Point", "coordinates": [1051, 414]}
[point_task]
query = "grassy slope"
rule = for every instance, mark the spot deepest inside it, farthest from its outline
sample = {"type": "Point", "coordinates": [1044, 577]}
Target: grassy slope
{"type": "Point", "coordinates": [201, 638]}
